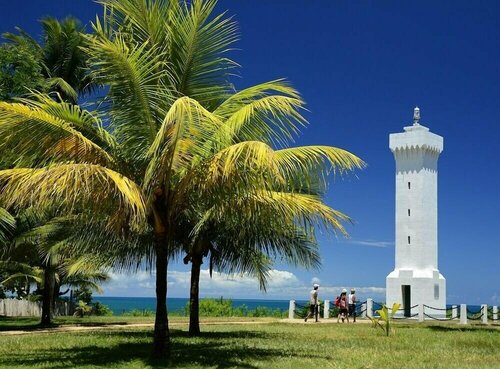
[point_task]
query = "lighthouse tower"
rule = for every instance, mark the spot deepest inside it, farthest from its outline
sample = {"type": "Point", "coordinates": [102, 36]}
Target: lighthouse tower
{"type": "Point", "coordinates": [416, 278]}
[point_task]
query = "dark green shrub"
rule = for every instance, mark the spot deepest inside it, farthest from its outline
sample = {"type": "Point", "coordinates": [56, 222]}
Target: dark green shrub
{"type": "Point", "coordinates": [100, 309]}
{"type": "Point", "coordinates": [220, 308]}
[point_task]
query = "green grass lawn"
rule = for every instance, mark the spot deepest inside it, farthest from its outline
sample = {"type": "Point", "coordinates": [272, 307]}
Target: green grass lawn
{"type": "Point", "coordinates": [275, 345]}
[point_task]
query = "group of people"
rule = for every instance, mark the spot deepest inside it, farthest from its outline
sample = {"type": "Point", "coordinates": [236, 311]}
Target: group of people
{"type": "Point", "coordinates": [346, 304]}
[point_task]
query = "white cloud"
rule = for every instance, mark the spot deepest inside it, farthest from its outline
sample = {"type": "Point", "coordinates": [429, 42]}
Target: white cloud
{"type": "Point", "coordinates": [371, 243]}
{"type": "Point", "coordinates": [121, 284]}
{"type": "Point", "coordinates": [282, 284]}
{"type": "Point", "coordinates": [315, 280]}
{"type": "Point", "coordinates": [225, 284]}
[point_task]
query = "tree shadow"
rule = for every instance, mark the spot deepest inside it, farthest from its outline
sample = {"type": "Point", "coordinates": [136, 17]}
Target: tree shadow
{"type": "Point", "coordinates": [213, 349]}
{"type": "Point", "coordinates": [440, 328]}
{"type": "Point", "coordinates": [31, 324]}
{"type": "Point", "coordinates": [227, 335]}
{"type": "Point", "coordinates": [95, 324]}
{"type": "Point", "coordinates": [20, 324]}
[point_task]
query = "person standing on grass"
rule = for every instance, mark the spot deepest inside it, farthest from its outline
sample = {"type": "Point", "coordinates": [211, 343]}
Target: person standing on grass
{"type": "Point", "coordinates": [352, 300]}
{"type": "Point", "coordinates": [343, 313]}
{"type": "Point", "coordinates": [313, 303]}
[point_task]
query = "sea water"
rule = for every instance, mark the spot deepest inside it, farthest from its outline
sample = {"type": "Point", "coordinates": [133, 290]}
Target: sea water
{"type": "Point", "coordinates": [120, 305]}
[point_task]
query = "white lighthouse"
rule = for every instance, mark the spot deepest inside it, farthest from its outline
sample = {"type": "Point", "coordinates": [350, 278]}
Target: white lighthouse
{"type": "Point", "coordinates": [416, 278]}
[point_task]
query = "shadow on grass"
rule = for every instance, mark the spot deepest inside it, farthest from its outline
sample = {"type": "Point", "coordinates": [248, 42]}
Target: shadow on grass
{"type": "Point", "coordinates": [92, 324]}
{"type": "Point", "coordinates": [20, 324]}
{"type": "Point", "coordinates": [33, 324]}
{"type": "Point", "coordinates": [440, 328]}
{"type": "Point", "coordinates": [212, 349]}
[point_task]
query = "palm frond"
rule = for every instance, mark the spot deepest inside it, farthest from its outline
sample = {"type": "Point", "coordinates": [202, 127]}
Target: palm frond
{"type": "Point", "coordinates": [84, 272]}
{"type": "Point", "coordinates": [88, 123]}
{"type": "Point", "coordinates": [64, 59]}
{"type": "Point", "coordinates": [7, 224]}
{"type": "Point", "coordinates": [180, 142]}
{"type": "Point", "coordinates": [144, 21]}
{"type": "Point", "coordinates": [57, 83]}
{"type": "Point", "coordinates": [124, 251]}
{"type": "Point", "coordinates": [268, 111]}
{"type": "Point", "coordinates": [199, 42]}
{"type": "Point", "coordinates": [18, 271]}
{"type": "Point", "coordinates": [137, 98]}
{"type": "Point", "coordinates": [243, 160]}
{"type": "Point", "coordinates": [308, 166]}
{"type": "Point", "coordinates": [240, 259]}
{"type": "Point", "coordinates": [23, 39]}
{"type": "Point", "coordinates": [75, 185]}
{"type": "Point", "coordinates": [288, 209]}
{"type": "Point", "coordinates": [41, 137]}
{"type": "Point", "coordinates": [308, 210]}
{"type": "Point", "coordinates": [297, 169]}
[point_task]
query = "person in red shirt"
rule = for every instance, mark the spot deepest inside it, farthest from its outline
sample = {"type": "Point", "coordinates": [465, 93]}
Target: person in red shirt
{"type": "Point", "coordinates": [343, 313]}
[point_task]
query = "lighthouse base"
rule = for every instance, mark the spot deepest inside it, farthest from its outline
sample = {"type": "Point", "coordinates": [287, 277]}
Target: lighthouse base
{"type": "Point", "coordinates": [411, 287]}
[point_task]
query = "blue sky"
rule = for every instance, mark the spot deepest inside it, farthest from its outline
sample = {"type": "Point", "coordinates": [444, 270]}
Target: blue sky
{"type": "Point", "coordinates": [362, 66]}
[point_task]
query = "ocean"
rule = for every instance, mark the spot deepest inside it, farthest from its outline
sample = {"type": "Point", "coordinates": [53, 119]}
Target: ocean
{"type": "Point", "coordinates": [120, 305]}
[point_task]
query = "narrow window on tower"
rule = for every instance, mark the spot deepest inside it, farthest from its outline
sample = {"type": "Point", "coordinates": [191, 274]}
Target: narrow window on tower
{"type": "Point", "coordinates": [409, 240]}
{"type": "Point", "coordinates": [409, 185]}
{"type": "Point", "coordinates": [408, 212]}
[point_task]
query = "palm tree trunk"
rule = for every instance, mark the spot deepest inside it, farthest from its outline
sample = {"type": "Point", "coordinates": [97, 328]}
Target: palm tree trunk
{"type": "Point", "coordinates": [71, 303]}
{"type": "Point", "coordinates": [55, 296]}
{"type": "Point", "coordinates": [47, 297]}
{"type": "Point", "coordinates": [194, 298]}
{"type": "Point", "coordinates": [161, 341]}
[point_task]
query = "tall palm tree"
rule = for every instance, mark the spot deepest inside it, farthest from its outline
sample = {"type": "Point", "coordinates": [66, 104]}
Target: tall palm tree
{"type": "Point", "coordinates": [177, 142]}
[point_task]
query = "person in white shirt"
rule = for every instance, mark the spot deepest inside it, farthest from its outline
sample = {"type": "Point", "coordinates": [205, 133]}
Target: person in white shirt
{"type": "Point", "coordinates": [313, 303]}
{"type": "Point", "coordinates": [352, 299]}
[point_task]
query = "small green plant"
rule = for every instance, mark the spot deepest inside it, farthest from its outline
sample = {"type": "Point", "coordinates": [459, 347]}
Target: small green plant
{"type": "Point", "coordinates": [384, 321]}
{"type": "Point", "coordinates": [100, 309]}
{"type": "Point", "coordinates": [82, 309]}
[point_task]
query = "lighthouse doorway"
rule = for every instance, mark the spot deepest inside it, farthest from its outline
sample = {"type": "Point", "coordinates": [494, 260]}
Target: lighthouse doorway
{"type": "Point", "coordinates": [406, 292]}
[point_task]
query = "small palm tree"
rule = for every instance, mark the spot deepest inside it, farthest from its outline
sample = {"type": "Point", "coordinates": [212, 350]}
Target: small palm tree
{"type": "Point", "coordinates": [39, 251]}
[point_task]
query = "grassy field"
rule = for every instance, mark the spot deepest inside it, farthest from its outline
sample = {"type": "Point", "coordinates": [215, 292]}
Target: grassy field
{"type": "Point", "coordinates": [263, 345]}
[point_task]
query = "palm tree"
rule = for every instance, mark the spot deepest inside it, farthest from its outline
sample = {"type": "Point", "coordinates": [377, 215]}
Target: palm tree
{"type": "Point", "coordinates": [40, 250]}
{"type": "Point", "coordinates": [245, 250]}
{"type": "Point", "coordinates": [61, 55]}
{"type": "Point", "coordinates": [177, 142]}
{"type": "Point", "coordinates": [19, 277]}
